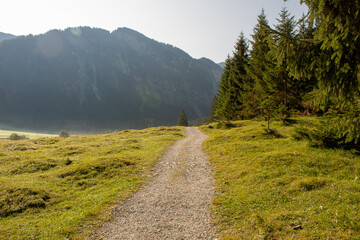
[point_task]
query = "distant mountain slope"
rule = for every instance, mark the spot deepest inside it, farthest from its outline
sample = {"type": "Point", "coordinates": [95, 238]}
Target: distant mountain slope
{"type": "Point", "coordinates": [6, 36]}
{"type": "Point", "coordinates": [221, 64]}
{"type": "Point", "coordinates": [84, 77]}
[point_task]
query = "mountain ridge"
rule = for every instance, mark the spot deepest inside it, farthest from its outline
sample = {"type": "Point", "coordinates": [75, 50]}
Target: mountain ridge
{"type": "Point", "coordinates": [6, 36]}
{"type": "Point", "coordinates": [88, 77]}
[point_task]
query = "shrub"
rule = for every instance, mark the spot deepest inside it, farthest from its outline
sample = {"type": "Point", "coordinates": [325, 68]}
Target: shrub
{"type": "Point", "coordinates": [64, 134]}
{"type": "Point", "coordinates": [15, 136]}
{"type": "Point", "coordinates": [324, 135]}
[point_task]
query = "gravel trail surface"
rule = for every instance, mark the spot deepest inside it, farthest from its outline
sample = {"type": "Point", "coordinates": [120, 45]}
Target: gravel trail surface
{"type": "Point", "coordinates": [174, 204]}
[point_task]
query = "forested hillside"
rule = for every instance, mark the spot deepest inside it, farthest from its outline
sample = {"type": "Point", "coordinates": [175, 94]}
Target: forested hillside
{"type": "Point", "coordinates": [84, 78]}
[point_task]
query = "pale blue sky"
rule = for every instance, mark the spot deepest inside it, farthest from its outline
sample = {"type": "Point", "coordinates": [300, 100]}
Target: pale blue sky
{"type": "Point", "coordinates": [202, 28]}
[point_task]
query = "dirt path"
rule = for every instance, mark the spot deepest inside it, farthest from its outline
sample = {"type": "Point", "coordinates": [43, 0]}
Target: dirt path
{"type": "Point", "coordinates": [175, 203]}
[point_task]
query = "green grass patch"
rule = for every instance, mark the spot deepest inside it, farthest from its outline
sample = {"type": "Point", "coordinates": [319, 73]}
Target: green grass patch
{"type": "Point", "coordinates": [271, 186]}
{"type": "Point", "coordinates": [58, 188]}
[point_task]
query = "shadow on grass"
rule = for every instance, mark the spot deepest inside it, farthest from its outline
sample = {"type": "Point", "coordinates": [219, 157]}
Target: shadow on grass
{"type": "Point", "coordinates": [272, 132]}
{"type": "Point", "coordinates": [226, 125]}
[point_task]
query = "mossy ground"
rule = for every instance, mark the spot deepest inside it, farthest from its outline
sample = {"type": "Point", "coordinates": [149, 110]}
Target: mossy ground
{"type": "Point", "coordinates": [56, 188]}
{"type": "Point", "coordinates": [271, 186]}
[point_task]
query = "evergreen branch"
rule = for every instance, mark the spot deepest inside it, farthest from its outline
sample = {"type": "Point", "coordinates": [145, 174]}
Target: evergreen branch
{"type": "Point", "coordinates": [292, 39]}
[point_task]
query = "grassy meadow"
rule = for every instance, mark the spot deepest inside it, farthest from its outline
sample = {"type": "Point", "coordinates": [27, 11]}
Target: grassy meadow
{"type": "Point", "coordinates": [271, 186]}
{"type": "Point", "coordinates": [4, 134]}
{"type": "Point", "coordinates": [58, 188]}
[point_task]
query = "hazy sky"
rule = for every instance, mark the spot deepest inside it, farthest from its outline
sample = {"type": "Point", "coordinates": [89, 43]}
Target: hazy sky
{"type": "Point", "coordinates": [202, 28]}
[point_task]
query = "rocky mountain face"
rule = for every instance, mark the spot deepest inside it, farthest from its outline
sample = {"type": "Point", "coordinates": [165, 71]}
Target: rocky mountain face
{"type": "Point", "coordinates": [84, 78]}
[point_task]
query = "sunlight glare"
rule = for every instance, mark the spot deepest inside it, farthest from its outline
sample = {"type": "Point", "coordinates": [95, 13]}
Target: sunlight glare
{"type": "Point", "coordinates": [76, 31]}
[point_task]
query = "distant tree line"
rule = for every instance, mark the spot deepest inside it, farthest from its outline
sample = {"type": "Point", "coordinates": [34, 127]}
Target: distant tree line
{"type": "Point", "coordinates": [306, 66]}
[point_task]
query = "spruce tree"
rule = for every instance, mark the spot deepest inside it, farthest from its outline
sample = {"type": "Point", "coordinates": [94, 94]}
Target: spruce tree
{"type": "Point", "coordinates": [270, 98]}
{"type": "Point", "coordinates": [182, 119]}
{"type": "Point", "coordinates": [335, 63]}
{"type": "Point", "coordinates": [239, 77]}
{"type": "Point", "coordinates": [305, 50]}
{"type": "Point", "coordinates": [280, 86]}
{"type": "Point", "coordinates": [229, 99]}
{"type": "Point", "coordinates": [283, 52]}
{"type": "Point", "coordinates": [212, 110]}
{"type": "Point", "coordinates": [270, 59]}
{"type": "Point", "coordinates": [260, 47]}
{"type": "Point", "coordinates": [301, 58]}
{"type": "Point", "coordinates": [256, 89]}
{"type": "Point", "coordinates": [224, 108]}
{"type": "Point", "coordinates": [338, 34]}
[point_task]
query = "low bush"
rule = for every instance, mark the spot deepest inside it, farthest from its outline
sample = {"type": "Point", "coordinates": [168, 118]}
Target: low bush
{"type": "Point", "coordinates": [64, 134]}
{"type": "Point", "coordinates": [15, 136]}
{"type": "Point", "coordinates": [324, 135]}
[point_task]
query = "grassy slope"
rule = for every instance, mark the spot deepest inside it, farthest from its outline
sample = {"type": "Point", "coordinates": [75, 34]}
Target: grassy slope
{"type": "Point", "coordinates": [51, 188]}
{"type": "Point", "coordinates": [269, 185]}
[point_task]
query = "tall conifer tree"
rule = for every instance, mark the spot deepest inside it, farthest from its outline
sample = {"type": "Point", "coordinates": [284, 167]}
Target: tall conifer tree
{"type": "Point", "coordinates": [338, 33]}
{"type": "Point", "coordinates": [212, 111]}
{"type": "Point", "coordinates": [230, 99]}
{"type": "Point", "coordinates": [283, 52]}
{"type": "Point", "coordinates": [337, 64]}
{"type": "Point", "coordinates": [256, 89]}
{"type": "Point", "coordinates": [280, 85]}
{"type": "Point", "coordinates": [239, 76]}
{"type": "Point", "coordinates": [224, 107]}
